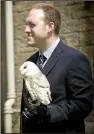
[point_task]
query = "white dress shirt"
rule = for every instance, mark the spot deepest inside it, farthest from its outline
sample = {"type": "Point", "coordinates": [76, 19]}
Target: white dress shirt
{"type": "Point", "coordinates": [49, 51]}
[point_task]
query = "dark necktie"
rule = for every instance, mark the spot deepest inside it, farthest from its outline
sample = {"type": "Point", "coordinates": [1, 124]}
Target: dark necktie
{"type": "Point", "coordinates": [41, 60]}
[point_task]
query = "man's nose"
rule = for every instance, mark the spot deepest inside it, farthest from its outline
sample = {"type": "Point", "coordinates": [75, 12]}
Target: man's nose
{"type": "Point", "coordinates": [27, 29]}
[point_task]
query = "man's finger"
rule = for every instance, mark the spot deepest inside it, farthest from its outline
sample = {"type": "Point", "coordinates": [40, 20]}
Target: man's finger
{"type": "Point", "coordinates": [25, 114]}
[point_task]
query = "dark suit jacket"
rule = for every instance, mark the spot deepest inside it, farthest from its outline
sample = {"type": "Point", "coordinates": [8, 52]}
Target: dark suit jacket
{"type": "Point", "coordinates": [69, 74]}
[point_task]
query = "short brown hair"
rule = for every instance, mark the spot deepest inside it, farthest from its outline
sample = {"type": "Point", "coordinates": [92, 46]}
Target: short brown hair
{"type": "Point", "coordinates": [51, 14]}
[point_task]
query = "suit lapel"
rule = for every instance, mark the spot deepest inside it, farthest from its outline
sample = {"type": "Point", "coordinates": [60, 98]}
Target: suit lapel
{"type": "Point", "coordinates": [53, 59]}
{"type": "Point", "coordinates": [34, 57]}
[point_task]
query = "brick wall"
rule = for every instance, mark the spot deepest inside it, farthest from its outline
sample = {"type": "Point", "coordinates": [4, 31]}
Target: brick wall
{"type": "Point", "coordinates": [77, 30]}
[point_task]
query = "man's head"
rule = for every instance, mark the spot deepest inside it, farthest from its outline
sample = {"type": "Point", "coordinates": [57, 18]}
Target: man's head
{"type": "Point", "coordinates": [43, 21]}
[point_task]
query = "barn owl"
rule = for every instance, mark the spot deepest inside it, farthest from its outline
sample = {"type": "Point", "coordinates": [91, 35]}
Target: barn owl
{"type": "Point", "coordinates": [36, 84]}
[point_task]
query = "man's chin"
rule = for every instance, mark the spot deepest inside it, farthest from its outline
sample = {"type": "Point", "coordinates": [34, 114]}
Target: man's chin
{"type": "Point", "coordinates": [32, 44]}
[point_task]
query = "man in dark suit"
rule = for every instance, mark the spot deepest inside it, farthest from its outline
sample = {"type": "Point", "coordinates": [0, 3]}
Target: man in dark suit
{"type": "Point", "coordinates": [68, 72]}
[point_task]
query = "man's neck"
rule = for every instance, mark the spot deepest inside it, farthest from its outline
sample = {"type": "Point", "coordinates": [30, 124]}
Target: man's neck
{"type": "Point", "coordinates": [48, 43]}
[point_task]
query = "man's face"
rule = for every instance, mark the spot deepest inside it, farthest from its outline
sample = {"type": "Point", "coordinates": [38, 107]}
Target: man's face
{"type": "Point", "coordinates": [36, 27]}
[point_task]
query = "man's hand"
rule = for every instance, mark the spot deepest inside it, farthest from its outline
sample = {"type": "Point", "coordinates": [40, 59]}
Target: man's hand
{"type": "Point", "coordinates": [26, 113]}
{"type": "Point", "coordinates": [32, 111]}
{"type": "Point", "coordinates": [29, 113]}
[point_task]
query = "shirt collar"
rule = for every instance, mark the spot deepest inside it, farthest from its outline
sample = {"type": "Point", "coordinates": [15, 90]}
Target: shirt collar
{"type": "Point", "coordinates": [49, 51]}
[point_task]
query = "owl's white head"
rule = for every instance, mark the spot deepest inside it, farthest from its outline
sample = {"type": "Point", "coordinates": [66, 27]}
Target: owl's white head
{"type": "Point", "coordinates": [28, 69]}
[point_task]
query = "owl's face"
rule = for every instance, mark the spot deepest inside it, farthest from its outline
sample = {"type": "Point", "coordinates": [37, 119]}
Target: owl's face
{"type": "Point", "coordinates": [28, 69]}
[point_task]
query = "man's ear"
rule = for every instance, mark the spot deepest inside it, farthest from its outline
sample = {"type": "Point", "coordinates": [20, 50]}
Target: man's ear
{"type": "Point", "coordinates": [50, 26]}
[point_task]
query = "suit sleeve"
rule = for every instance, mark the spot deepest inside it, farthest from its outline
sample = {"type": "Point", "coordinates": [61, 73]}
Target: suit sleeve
{"type": "Point", "coordinates": [79, 100]}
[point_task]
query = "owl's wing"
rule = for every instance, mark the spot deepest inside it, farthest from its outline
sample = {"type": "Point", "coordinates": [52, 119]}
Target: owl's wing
{"type": "Point", "coordinates": [45, 87]}
{"type": "Point", "coordinates": [41, 88]}
{"type": "Point", "coordinates": [43, 82]}
{"type": "Point", "coordinates": [30, 88]}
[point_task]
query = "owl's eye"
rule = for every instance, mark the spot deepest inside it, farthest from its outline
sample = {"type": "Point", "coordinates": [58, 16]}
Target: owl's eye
{"type": "Point", "coordinates": [24, 67]}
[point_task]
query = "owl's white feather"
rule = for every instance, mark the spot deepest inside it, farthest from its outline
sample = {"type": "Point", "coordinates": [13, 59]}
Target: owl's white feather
{"type": "Point", "coordinates": [36, 83]}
